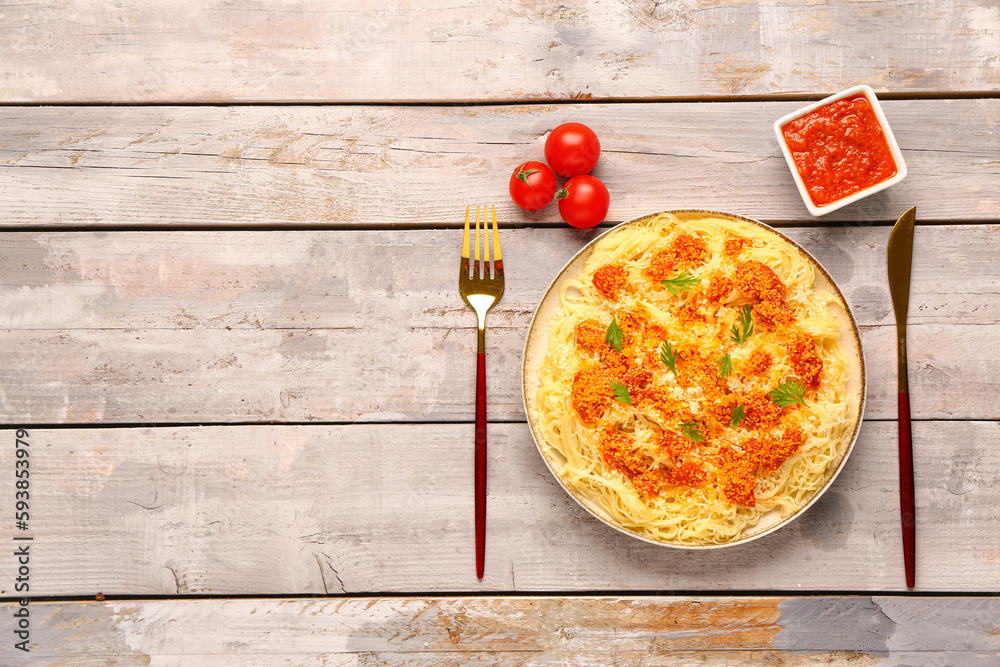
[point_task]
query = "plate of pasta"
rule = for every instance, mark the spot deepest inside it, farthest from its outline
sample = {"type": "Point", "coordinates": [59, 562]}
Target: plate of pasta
{"type": "Point", "coordinates": [694, 379]}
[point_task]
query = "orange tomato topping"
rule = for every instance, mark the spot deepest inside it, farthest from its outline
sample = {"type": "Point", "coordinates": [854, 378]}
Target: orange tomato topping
{"type": "Point", "coordinates": [760, 412]}
{"type": "Point", "coordinates": [758, 282]}
{"type": "Point", "coordinates": [721, 407]}
{"type": "Point", "coordinates": [609, 279]}
{"type": "Point", "coordinates": [674, 446]}
{"type": "Point", "coordinates": [737, 480]}
{"type": "Point", "coordinates": [617, 451]}
{"type": "Point", "coordinates": [657, 399]}
{"type": "Point", "coordinates": [590, 394]}
{"type": "Point", "coordinates": [616, 364]}
{"type": "Point", "coordinates": [631, 322]}
{"type": "Point", "coordinates": [700, 370]}
{"type": "Point", "coordinates": [719, 287]}
{"type": "Point", "coordinates": [766, 291]}
{"type": "Point", "coordinates": [734, 247]}
{"type": "Point", "coordinates": [758, 363]}
{"type": "Point", "coordinates": [690, 313]}
{"type": "Point", "coordinates": [770, 452]}
{"type": "Point", "coordinates": [772, 313]}
{"type": "Point", "coordinates": [661, 266]}
{"type": "Point", "coordinates": [688, 250]}
{"type": "Point", "coordinates": [781, 448]}
{"type": "Point", "coordinates": [653, 339]}
{"type": "Point", "coordinates": [590, 335]}
{"type": "Point", "coordinates": [688, 473]}
{"type": "Point", "coordinates": [805, 360]}
{"type": "Point", "coordinates": [635, 380]}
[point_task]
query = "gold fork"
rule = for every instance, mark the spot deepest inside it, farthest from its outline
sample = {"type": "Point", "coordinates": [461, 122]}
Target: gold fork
{"type": "Point", "coordinates": [481, 291]}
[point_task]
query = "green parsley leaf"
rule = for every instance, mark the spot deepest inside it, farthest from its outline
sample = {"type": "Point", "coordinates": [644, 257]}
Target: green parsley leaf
{"type": "Point", "coordinates": [787, 393]}
{"type": "Point", "coordinates": [725, 366]}
{"type": "Point", "coordinates": [739, 333]}
{"type": "Point", "coordinates": [692, 432]}
{"type": "Point", "coordinates": [668, 356]}
{"type": "Point", "coordinates": [621, 393]}
{"type": "Point", "coordinates": [615, 336]}
{"type": "Point", "coordinates": [737, 416]}
{"type": "Point", "coordinates": [681, 283]}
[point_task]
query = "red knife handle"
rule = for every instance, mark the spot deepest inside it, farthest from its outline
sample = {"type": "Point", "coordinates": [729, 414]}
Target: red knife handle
{"type": "Point", "coordinates": [907, 506]}
{"type": "Point", "coordinates": [480, 464]}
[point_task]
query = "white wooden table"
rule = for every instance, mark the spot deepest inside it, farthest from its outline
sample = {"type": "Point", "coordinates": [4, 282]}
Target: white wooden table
{"type": "Point", "coordinates": [232, 332]}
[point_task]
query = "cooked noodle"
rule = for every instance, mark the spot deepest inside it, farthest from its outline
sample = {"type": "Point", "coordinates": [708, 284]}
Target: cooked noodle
{"type": "Point", "coordinates": [642, 464]}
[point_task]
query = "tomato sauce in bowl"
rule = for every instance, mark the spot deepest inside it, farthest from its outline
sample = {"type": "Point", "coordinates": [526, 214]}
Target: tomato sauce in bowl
{"type": "Point", "coordinates": [839, 149]}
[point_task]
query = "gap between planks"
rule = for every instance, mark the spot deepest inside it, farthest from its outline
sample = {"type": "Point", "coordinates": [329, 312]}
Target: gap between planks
{"type": "Point", "coordinates": [506, 595]}
{"type": "Point", "coordinates": [985, 94]}
{"type": "Point", "coordinates": [151, 425]}
{"type": "Point", "coordinates": [438, 226]}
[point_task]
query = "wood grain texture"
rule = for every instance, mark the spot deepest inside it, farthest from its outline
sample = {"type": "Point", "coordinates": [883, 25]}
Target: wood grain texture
{"type": "Point", "coordinates": [382, 373]}
{"type": "Point", "coordinates": [838, 631]}
{"type": "Point", "coordinates": [312, 51]}
{"type": "Point", "coordinates": [384, 166]}
{"type": "Point", "coordinates": [364, 509]}
{"type": "Point", "coordinates": [301, 326]}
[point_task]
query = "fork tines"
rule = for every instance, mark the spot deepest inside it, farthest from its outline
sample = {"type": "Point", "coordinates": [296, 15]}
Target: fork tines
{"type": "Point", "coordinates": [481, 269]}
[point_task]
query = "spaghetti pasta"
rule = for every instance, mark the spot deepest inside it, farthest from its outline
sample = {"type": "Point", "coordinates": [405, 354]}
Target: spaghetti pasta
{"type": "Point", "coordinates": [694, 380]}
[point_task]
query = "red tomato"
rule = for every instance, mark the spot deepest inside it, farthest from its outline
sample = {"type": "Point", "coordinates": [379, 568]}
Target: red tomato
{"type": "Point", "coordinates": [532, 185]}
{"type": "Point", "coordinates": [572, 149]}
{"type": "Point", "coordinates": [584, 201]}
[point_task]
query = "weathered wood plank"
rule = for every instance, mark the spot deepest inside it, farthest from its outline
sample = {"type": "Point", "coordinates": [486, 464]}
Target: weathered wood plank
{"type": "Point", "coordinates": [347, 278]}
{"type": "Point", "coordinates": [312, 166]}
{"type": "Point", "coordinates": [362, 509]}
{"type": "Point", "coordinates": [202, 327]}
{"type": "Point", "coordinates": [383, 372]}
{"type": "Point", "coordinates": [919, 632]}
{"type": "Point", "coordinates": [310, 50]}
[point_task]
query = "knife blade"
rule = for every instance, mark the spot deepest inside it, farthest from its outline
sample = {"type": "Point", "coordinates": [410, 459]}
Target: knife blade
{"type": "Point", "coordinates": [900, 259]}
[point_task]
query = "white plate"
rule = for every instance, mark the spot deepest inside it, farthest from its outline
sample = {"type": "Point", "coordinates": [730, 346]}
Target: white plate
{"type": "Point", "coordinates": [536, 346]}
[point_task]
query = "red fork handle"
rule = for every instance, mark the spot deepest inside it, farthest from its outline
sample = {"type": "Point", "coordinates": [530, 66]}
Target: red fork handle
{"type": "Point", "coordinates": [480, 464]}
{"type": "Point", "coordinates": [907, 506]}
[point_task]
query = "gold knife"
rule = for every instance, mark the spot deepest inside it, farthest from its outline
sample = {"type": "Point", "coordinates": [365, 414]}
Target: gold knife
{"type": "Point", "coordinates": [900, 259]}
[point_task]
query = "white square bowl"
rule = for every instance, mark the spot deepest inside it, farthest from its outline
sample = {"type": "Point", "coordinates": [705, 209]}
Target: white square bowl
{"type": "Point", "coordinates": [897, 155]}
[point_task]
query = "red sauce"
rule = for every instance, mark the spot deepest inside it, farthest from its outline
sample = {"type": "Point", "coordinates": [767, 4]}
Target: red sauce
{"type": "Point", "coordinates": [839, 149]}
{"type": "Point", "coordinates": [609, 279]}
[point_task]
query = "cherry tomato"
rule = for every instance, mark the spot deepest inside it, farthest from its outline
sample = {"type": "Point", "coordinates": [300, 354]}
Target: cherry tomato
{"type": "Point", "coordinates": [584, 201]}
{"type": "Point", "coordinates": [532, 185]}
{"type": "Point", "coordinates": [572, 149]}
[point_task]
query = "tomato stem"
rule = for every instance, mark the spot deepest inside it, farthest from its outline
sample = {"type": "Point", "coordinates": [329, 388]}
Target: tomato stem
{"type": "Point", "coordinates": [522, 175]}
